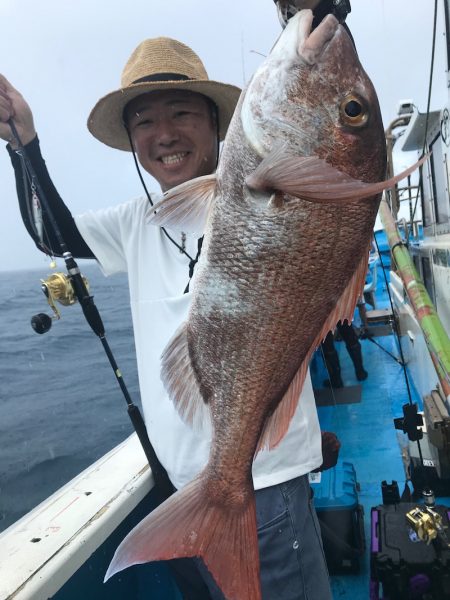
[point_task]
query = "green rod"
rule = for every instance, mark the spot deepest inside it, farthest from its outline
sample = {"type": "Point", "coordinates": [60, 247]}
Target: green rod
{"type": "Point", "coordinates": [436, 337]}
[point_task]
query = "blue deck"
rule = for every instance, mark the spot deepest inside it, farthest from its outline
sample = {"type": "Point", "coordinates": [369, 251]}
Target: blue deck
{"type": "Point", "coordinates": [369, 440]}
{"type": "Point", "coordinates": [366, 432]}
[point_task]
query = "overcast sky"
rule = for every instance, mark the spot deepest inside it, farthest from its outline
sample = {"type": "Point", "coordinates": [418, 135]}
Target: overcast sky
{"type": "Point", "coordinates": [63, 55]}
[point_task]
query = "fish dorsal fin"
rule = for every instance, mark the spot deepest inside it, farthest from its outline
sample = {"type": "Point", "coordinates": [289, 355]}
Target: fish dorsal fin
{"type": "Point", "coordinates": [181, 384]}
{"type": "Point", "coordinates": [186, 206]}
{"type": "Point", "coordinates": [312, 178]}
{"type": "Point", "coordinates": [277, 424]}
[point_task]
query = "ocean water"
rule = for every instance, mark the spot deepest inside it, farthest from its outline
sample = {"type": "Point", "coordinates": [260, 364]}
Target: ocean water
{"type": "Point", "coordinates": [61, 407]}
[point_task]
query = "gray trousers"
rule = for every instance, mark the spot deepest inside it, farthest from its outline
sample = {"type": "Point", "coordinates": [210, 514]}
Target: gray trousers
{"type": "Point", "coordinates": [290, 546]}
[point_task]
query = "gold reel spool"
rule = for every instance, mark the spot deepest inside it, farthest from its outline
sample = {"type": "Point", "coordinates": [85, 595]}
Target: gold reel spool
{"type": "Point", "coordinates": [58, 288]}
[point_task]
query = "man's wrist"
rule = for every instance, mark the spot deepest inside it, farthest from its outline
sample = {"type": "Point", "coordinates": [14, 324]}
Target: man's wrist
{"type": "Point", "coordinates": [25, 140]}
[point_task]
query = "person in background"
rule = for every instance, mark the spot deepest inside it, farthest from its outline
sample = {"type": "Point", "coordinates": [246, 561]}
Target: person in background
{"type": "Point", "coordinates": [331, 357]}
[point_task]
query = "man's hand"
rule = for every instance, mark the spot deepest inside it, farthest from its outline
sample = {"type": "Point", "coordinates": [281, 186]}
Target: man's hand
{"type": "Point", "coordinates": [287, 8]}
{"type": "Point", "coordinates": [13, 106]}
{"type": "Point", "coordinates": [300, 4]}
{"type": "Point", "coordinates": [330, 451]}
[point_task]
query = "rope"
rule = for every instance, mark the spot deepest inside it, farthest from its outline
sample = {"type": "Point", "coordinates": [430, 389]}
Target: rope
{"type": "Point", "coordinates": [430, 86]}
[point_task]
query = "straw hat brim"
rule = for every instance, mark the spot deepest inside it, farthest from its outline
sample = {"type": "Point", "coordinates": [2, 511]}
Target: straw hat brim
{"type": "Point", "coordinates": [106, 124]}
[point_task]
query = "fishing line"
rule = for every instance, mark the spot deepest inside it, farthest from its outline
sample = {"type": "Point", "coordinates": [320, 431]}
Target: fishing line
{"type": "Point", "coordinates": [337, 421]}
{"type": "Point", "coordinates": [92, 315]}
{"type": "Point", "coordinates": [370, 339]}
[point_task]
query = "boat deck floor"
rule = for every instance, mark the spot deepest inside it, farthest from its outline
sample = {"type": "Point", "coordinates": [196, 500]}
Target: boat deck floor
{"type": "Point", "coordinates": [368, 437]}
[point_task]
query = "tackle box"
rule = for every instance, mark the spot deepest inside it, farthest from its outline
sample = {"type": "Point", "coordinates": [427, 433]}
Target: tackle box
{"type": "Point", "coordinates": [437, 420]}
{"type": "Point", "coordinates": [428, 470]}
{"type": "Point", "coordinates": [340, 517]}
{"type": "Point", "coordinates": [402, 566]}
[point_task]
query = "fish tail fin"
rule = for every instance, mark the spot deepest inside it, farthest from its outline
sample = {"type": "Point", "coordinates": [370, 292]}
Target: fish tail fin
{"type": "Point", "coordinates": [189, 523]}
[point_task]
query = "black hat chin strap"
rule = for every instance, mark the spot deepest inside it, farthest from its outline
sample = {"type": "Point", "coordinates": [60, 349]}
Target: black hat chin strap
{"type": "Point", "coordinates": [192, 261]}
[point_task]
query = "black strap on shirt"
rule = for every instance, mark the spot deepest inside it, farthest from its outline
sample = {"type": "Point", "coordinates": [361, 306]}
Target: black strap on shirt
{"type": "Point", "coordinates": [193, 262]}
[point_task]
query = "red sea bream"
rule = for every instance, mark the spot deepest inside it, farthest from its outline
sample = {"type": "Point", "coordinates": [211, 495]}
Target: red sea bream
{"type": "Point", "coordinates": [288, 221]}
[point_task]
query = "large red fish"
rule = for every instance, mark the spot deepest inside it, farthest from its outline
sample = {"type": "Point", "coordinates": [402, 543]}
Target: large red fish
{"type": "Point", "coordinates": [290, 214]}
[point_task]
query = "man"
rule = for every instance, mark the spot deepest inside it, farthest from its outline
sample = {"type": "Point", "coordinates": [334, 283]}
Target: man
{"type": "Point", "coordinates": [172, 116]}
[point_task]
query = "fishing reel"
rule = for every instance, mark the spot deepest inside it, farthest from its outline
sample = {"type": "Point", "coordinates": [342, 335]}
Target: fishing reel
{"type": "Point", "coordinates": [57, 288]}
{"type": "Point", "coordinates": [427, 524]}
{"type": "Point", "coordinates": [288, 8]}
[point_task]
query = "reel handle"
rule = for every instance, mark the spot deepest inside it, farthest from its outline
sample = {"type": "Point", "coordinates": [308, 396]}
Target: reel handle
{"type": "Point", "coordinates": [41, 323]}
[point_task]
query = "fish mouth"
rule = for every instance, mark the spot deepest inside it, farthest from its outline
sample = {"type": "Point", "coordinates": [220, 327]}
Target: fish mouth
{"type": "Point", "coordinates": [311, 44]}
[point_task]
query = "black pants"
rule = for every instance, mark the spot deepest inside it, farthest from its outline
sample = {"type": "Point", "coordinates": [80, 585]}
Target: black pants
{"type": "Point", "coordinates": [347, 333]}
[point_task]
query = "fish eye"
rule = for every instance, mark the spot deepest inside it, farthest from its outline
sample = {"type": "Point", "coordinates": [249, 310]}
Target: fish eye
{"type": "Point", "coordinates": [353, 111]}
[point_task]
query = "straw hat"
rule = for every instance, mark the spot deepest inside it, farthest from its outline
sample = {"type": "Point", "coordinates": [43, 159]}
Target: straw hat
{"type": "Point", "coordinates": [158, 64]}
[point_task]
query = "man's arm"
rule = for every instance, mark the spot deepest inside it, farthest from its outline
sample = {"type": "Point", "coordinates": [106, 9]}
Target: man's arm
{"type": "Point", "coordinates": [13, 106]}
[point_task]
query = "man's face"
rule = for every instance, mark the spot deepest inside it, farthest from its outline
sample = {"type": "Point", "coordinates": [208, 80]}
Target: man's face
{"type": "Point", "coordinates": [174, 135]}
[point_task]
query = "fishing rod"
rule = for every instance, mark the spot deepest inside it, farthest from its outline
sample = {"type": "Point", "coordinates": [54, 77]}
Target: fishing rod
{"type": "Point", "coordinates": [412, 421]}
{"type": "Point", "coordinates": [73, 287]}
{"type": "Point", "coordinates": [370, 339]}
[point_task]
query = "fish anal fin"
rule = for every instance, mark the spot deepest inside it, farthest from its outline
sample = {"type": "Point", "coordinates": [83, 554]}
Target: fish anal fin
{"type": "Point", "coordinates": [189, 523]}
{"type": "Point", "coordinates": [180, 382]}
{"type": "Point", "coordinates": [186, 206]}
{"type": "Point", "coordinates": [345, 306]}
{"type": "Point", "coordinates": [277, 424]}
{"type": "Point", "coordinates": [312, 178]}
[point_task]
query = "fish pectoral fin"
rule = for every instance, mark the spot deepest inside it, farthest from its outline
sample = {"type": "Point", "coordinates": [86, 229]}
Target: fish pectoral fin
{"type": "Point", "coordinates": [186, 206]}
{"type": "Point", "coordinates": [181, 384]}
{"type": "Point", "coordinates": [312, 178]}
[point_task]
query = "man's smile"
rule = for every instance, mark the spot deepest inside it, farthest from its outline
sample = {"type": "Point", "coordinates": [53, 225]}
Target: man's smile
{"type": "Point", "coordinates": [172, 159]}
